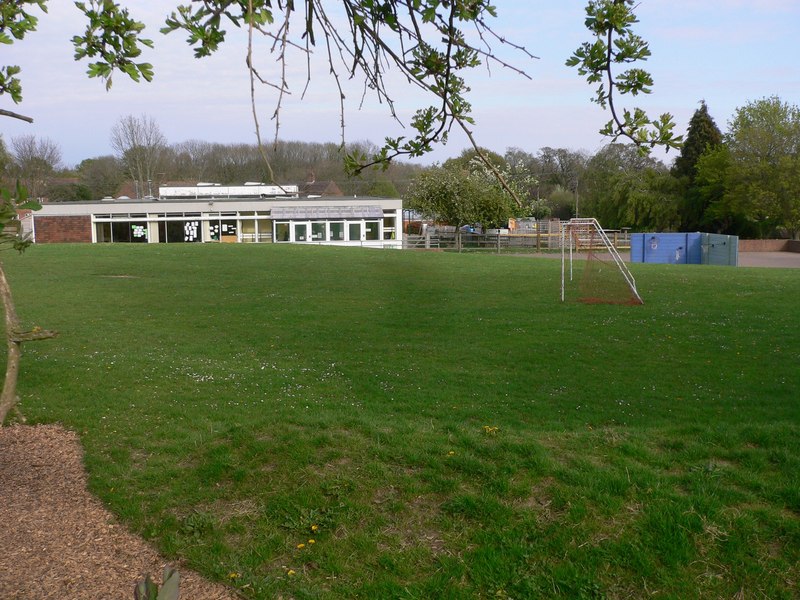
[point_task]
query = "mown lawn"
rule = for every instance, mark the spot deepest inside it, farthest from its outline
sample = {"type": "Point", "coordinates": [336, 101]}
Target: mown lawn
{"type": "Point", "coordinates": [440, 425]}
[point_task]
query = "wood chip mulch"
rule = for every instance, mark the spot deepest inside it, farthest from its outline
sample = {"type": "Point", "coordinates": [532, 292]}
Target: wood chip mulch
{"type": "Point", "coordinates": [56, 539]}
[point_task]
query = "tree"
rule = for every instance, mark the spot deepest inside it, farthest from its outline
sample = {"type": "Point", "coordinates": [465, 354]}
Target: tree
{"type": "Point", "coordinates": [606, 171]}
{"type": "Point", "coordinates": [102, 176]}
{"type": "Point", "coordinates": [760, 173]}
{"type": "Point", "coordinates": [383, 187]}
{"type": "Point", "coordinates": [560, 171]}
{"type": "Point", "coordinates": [454, 197]}
{"type": "Point", "coordinates": [650, 198]}
{"type": "Point", "coordinates": [702, 135]}
{"type": "Point", "coordinates": [519, 184]}
{"type": "Point", "coordinates": [465, 161]}
{"type": "Point", "coordinates": [34, 161]}
{"type": "Point", "coordinates": [140, 145]}
{"type": "Point", "coordinates": [67, 192]}
{"type": "Point", "coordinates": [764, 130]}
{"type": "Point", "coordinates": [12, 237]}
{"type": "Point", "coordinates": [5, 161]}
{"type": "Point", "coordinates": [611, 22]}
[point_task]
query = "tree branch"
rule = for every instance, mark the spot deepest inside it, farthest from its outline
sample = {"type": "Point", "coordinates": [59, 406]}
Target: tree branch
{"type": "Point", "coordinates": [13, 115]}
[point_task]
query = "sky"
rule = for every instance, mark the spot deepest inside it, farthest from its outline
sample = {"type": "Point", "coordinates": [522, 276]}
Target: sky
{"type": "Point", "coordinates": [726, 52]}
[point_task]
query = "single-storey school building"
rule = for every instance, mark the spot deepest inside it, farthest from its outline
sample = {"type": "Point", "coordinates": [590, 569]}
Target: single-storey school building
{"type": "Point", "coordinates": [251, 213]}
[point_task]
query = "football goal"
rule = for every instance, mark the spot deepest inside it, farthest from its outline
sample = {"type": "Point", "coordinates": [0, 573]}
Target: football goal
{"type": "Point", "coordinates": [603, 277]}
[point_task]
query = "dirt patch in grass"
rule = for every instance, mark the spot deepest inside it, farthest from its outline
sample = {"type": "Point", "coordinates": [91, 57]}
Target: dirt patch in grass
{"type": "Point", "coordinates": [58, 541]}
{"type": "Point", "coordinates": [540, 501]}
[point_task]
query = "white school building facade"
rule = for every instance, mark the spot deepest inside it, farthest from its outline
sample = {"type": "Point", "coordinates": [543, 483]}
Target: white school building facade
{"type": "Point", "coordinates": [213, 213]}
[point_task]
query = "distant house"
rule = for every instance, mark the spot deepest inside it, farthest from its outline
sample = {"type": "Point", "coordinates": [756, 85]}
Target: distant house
{"type": "Point", "coordinates": [252, 213]}
{"type": "Point", "coordinates": [318, 189]}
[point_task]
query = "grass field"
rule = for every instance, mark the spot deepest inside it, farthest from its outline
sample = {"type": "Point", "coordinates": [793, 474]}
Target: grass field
{"type": "Point", "coordinates": [440, 425]}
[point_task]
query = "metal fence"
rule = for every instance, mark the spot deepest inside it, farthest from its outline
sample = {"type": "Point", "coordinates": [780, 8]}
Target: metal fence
{"type": "Point", "coordinates": [499, 242]}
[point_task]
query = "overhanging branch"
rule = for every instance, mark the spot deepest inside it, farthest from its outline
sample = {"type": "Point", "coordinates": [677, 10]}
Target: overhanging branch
{"type": "Point", "coordinates": [13, 115]}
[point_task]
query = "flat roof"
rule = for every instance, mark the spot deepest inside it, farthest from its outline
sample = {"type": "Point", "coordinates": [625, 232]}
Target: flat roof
{"type": "Point", "coordinates": [326, 212]}
{"type": "Point", "coordinates": [337, 206]}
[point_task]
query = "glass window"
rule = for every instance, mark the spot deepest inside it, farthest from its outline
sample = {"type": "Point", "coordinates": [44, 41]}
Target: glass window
{"type": "Point", "coordinates": [213, 230]}
{"type": "Point", "coordinates": [281, 232]}
{"type": "Point", "coordinates": [180, 231]}
{"type": "Point", "coordinates": [373, 230]}
{"type": "Point", "coordinates": [248, 230]}
{"type": "Point", "coordinates": [300, 232]}
{"type": "Point", "coordinates": [389, 224]}
{"type": "Point", "coordinates": [337, 232]}
{"type": "Point", "coordinates": [121, 232]}
{"type": "Point", "coordinates": [139, 232]}
{"type": "Point", "coordinates": [131, 231]}
{"type": "Point", "coordinates": [192, 231]}
{"type": "Point", "coordinates": [103, 232]}
{"type": "Point", "coordinates": [227, 231]}
{"type": "Point", "coordinates": [264, 231]}
{"type": "Point", "coordinates": [354, 229]}
{"type": "Point", "coordinates": [318, 232]}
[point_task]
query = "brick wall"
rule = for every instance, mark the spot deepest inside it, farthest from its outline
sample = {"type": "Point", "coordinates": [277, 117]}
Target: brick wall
{"type": "Point", "coordinates": [50, 230]}
{"type": "Point", "coordinates": [763, 245]}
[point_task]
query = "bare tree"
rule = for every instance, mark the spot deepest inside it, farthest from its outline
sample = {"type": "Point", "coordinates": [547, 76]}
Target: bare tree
{"type": "Point", "coordinates": [190, 161]}
{"type": "Point", "coordinates": [34, 161]}
{"type": "Point", "coordinates": [140, 145]}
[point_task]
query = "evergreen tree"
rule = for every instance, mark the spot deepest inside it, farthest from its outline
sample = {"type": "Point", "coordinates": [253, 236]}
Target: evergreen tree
{"type": "Point", "coordinates": [703, 134]}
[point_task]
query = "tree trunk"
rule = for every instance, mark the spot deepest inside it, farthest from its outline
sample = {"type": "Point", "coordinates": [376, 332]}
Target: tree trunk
{"type": "Point", "coordinates": [14, 338]}
{"type": "Point", "coordinates": [9, 396]}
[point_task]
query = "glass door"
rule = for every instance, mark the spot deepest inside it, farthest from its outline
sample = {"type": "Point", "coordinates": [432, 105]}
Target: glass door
{"type": "Point", "coordinates": [354, 230]}
{"type": "Point", "coordinates": [300, 232]}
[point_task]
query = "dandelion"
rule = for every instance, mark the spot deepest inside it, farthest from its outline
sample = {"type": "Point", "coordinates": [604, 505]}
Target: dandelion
{"type": "Point", "coordinates": [312, 542]}
{"type": "Point", "coordinates": [315, 528]}
{"type": "Point", "coordinates": [300, 546]}
{"type": "Point", "coordinates": [290, 572]}
{"type": "Point", "coordinates": [451, 453]}
{"type": "Point", "coordinates": [490, 429]}
{"type": "Point", "coordinates": [233, 575]}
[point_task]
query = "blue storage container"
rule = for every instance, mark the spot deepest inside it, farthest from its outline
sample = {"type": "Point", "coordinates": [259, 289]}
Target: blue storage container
{"type": "Point", "coordinates": [685, 248]}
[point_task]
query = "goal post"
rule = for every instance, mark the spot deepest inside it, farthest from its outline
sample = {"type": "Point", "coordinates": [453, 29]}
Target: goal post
{"type": "Point", "coordinates": [604, 278]}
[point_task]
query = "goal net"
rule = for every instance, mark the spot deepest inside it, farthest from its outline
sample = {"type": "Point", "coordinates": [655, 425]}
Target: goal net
{"type": "Point", "coordinates": [600, 276]}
